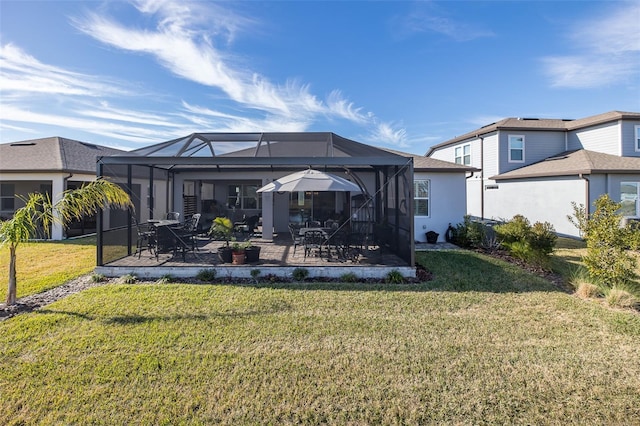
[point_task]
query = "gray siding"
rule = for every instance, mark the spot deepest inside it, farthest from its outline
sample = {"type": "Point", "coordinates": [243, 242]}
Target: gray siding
{"type": "Point", "coordinates": [490, 166]}
{"type": "Point", "coordinates": [446, 153]}
{"type": "Point", "coordinates": [628, 132]}
{"type": "Point", "coordinates": [537, 146]}
{"type": "Point", "coordinates": [604, 138]}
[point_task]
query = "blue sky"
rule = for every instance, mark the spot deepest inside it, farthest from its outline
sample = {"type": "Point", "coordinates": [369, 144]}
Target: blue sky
{"type": "Point", "coordinates": [399, 74]}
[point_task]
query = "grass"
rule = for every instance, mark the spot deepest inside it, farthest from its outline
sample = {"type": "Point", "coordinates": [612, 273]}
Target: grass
{"type": "Point", "coordinates": [44, 265]}
{"type": "Point", "coordinates": [483, 343]}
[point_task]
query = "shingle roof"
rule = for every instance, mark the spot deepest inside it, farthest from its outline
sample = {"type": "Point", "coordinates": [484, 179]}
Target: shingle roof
{"type": "Point", "coordinates": [572, 163]}
{"type": "Point", "coordinates": [544, 124]}
{"type": "Point", "coordinates": [54, 154]}
{"type": "Point", "coordinates": [422, 163]}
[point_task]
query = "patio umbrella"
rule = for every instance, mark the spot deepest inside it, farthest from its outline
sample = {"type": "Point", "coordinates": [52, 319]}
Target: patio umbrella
{"type": "Point", "coordinates": [310, 180]}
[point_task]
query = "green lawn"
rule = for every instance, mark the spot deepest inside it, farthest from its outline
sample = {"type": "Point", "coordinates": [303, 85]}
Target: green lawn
{"type": "Point", "coordinates": [483, 343]}
{"type": "Point", "coordinates": [44, 265]}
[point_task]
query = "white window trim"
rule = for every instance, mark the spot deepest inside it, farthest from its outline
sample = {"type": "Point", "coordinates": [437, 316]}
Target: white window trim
{"type": "Point", "coordinates": [637, 185]}
{"type": "Point", "coordinates": [636, 138]}
{"type": "Point", "coordinates": [462, 154]}
{"type": "Point", "coordinates": [511, 160]}
{"type": "Point", "coordinates": [428, 197]}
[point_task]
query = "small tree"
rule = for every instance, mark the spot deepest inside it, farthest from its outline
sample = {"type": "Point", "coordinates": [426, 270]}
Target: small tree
{"type": "Point", "coordinates": [39, 213]}
{"type": "Point", "coordinates": [607, 259]}
{"type": "Point", "coordinates": [222, 229]}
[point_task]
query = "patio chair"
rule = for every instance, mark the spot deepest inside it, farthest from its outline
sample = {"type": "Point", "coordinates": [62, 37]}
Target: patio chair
{"type": "Point", "coordinates": [298, 240]}
{"type": "Point", "coordinates": [338, 244]}
{"type": "Point", "coordinates": [314, 224]}
{"type": "Point", "coordinates": [173, 216]}
{"type": "Point", "coordinates": [186, 236]}
{"type": "Point", "coordinates": [145, 238]}
{"type": "Point", "coordinates": [331, 224]}
{"type": "Point", "coordinates": [313, 240]}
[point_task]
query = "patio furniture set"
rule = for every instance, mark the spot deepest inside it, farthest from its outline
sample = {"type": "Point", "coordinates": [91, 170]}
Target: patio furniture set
{"type": "Point", "coordinates": [167, 235]}
{"type": "Point", "coordinates": [328, 240]}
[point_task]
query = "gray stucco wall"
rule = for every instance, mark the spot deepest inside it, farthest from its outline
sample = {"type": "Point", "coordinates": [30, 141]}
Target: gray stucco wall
{"type": "Point", "coordinates": [543, 200]}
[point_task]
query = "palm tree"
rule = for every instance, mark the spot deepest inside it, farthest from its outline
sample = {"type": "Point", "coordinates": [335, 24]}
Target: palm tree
{"type": "Point", "coordinates": [39, 213]}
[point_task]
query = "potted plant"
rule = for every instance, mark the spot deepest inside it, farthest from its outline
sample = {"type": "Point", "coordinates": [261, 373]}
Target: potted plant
{"type": "Point", "coordinates": [238, 252]}
{"type": "Point", "coordinates": [252, 254]}
{"type": "Point", "coordinates": [222, 229]}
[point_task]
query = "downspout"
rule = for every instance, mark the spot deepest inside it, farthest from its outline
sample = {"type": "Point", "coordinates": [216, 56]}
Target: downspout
{"type": "Point", "coordinates": [586, 192]}
{"type": "Point", "coordinates": [481, 176]}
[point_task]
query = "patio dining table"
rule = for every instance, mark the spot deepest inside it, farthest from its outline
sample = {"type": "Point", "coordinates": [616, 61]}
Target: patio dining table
{"type": "Point", "coordinates": [331, 239]}
{"type": "Point", "coordinates": [165, 237]}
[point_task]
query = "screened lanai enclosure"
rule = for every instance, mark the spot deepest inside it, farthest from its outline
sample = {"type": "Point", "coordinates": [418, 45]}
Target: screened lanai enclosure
{"type": "Point", "coordinates": [219, 174]}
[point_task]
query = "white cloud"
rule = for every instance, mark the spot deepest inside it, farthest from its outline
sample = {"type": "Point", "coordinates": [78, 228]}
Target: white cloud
{"type": "Point", "coordinates": [188, 46]}
{"type": "Point", "coordinates": [606, 50]}
{"type": "Point", "coordinates": [192, 41]}
{"type": "Point", "coordinates": [386, 134]}
{"type": "Point", "coordinates": [23, 74]}
{"type": "Point", "coordinates": [109, 129]}
{"type": "Point", "coordinates": [429, 17]}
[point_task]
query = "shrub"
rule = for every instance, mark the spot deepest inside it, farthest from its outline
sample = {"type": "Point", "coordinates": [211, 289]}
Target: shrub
{"type": "Point", "coordinates": [395, 277]}
{"type": "Point", "coordinates": [349, 277]}
{"type": "Point", "coordinates": [633, 236]}
{"type": "Point", "coordinates": [129, 279]}
{"type": "Point", "coordinates": [607, 259]}
{"type": "Point", "coordinates": [300, 274]}
{"type": "Point", "coordinates": [469, 233]}
{"type": "Point", "coordinates": [587, 290]}
{"type": "Point", "coordinates": [533, 244]}
{"type": "Point", "coordinates": [98, 278]}
{"type": "Point", "coordinates": [517, 229]}
{"type": "Point", "coordinates": [207, 275]}
{"type": "Point", "coordinates": [542, 237]}
{"type": "Point", "coordinates": [255, 273]}
{"type": "Point", "coordinates": [165, 279]}
{"type": "Point", "coordinates": [620, 298]}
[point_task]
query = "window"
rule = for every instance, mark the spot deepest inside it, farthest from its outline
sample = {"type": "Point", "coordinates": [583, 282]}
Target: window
{"type": "Point", "coordinates": [7, 196]}
{"type": "Point", "coordinates": [630, 199]}
{"type": "Point", "coordinates": [243, 196]}
{"type": "Point", "coordinates": [637, 141]}
{"type": "Point", "coordinates": [516, 149]}
{"type": "Point", "coordinates": [463, 155]}
{"type": "Point", "coordinates": [421, 198]}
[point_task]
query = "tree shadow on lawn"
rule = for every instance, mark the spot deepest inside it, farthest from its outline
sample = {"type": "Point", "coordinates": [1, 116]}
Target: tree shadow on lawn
{"type": "Point", "coordinates": [271, 308]}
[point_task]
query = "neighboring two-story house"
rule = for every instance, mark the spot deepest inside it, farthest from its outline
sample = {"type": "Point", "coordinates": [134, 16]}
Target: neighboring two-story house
{"type": "Point", "coordinates": [538, 167]}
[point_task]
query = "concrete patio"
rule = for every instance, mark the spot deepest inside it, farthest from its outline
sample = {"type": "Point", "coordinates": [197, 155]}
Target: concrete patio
{"type": "Point", "coordinates": [276, 258]}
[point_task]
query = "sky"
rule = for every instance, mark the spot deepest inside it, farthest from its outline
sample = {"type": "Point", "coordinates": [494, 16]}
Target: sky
{"type": "Point", "coordinates": [397, 74]}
